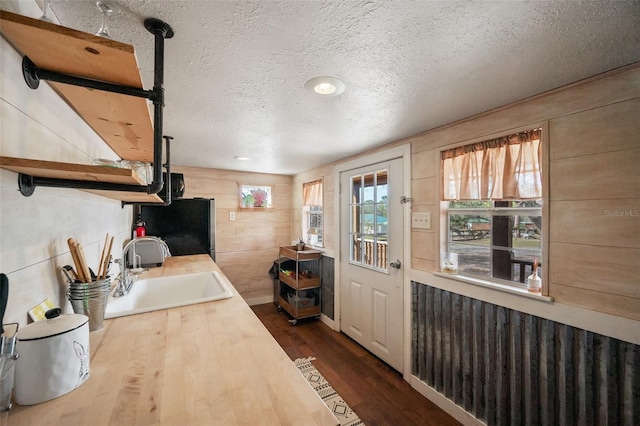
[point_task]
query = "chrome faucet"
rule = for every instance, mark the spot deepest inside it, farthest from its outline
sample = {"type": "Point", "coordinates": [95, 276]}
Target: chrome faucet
{"type": "Point", "coordinates": [125, 282]}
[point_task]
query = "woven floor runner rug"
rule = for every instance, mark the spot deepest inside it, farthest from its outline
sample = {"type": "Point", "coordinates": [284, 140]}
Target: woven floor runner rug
{"type": "Point", "coordinates": [336, 404]}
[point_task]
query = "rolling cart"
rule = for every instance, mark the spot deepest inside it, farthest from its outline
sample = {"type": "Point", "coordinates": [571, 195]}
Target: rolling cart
{"type": "Point", "coordinates": [297, 290]}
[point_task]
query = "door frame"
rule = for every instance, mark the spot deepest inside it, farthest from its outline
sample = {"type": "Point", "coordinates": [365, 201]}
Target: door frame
{"type": "Point", "coordinates": [399, 151]}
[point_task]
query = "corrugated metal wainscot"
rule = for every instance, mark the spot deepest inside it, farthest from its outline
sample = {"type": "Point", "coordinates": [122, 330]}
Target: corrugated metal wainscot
{"type": "Point", "coordinates": [509, 368]}
{"type": "Point", "coordinates": [328, 285]}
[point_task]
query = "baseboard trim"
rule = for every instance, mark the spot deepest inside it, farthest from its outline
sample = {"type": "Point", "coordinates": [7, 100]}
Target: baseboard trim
{"type": "Point", "coordinates": [328, 321]}
{"type": "Point", "coordinates": [444, 403]}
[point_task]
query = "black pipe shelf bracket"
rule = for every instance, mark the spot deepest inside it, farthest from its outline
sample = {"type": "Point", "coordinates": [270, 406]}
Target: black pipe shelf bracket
{"type": "Point", "coordinates": [32, 76]}
{"type": "Point", "coordinates": [167, 167]}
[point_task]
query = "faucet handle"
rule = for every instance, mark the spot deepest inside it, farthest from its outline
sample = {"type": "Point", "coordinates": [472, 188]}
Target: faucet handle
{"type": "Point", "coordinates": [122, 264]}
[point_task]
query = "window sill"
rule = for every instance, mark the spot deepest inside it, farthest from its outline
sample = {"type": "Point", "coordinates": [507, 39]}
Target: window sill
{"type": "Point", "coordinates": [496, 286]}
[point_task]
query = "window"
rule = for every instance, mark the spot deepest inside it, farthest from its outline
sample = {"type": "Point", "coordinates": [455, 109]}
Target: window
{"type": "Point", "coordinates": [369, 219]}
{"type": "Point", "coordinates": [495, 239]}
{"type": "Point", "coordinates": [493, 196]}
{"type": "Point", "coordinates": [255, 196]}
{"type": "Point", "coordinates": [312, 223]}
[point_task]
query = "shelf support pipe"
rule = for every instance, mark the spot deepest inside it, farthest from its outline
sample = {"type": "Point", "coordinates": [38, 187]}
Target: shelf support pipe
{"type": "Point", "coordinates": [161, 31]}
{"type": "Point", "coordinates": [167, 167]}
{"type": "Point", "coordinates": [32, 76]}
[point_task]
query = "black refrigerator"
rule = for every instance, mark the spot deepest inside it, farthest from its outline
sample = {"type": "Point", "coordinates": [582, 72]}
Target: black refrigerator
{"type": "Point", "coordinates": [187, 225]}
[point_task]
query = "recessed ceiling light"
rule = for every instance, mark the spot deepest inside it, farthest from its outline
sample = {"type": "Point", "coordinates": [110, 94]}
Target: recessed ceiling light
{"type": "Point", "coordinates": [325, 86]}
{"type": "Point", "coordinates": [237, 157]}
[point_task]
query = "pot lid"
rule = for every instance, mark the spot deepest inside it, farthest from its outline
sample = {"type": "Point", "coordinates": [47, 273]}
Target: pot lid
{"type": "Point", "coordinates": [54, 325]}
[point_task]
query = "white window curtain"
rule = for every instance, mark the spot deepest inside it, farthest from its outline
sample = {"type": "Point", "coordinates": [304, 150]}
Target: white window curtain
{"type": "Point", "coordinates": [507, 168]}
{"type": "Point", "coordinates": [312, 193]}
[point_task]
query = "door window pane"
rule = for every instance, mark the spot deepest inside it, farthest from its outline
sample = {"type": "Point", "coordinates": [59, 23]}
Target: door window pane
{"type": "Point", "coordinates": [356, 248]}
{"type": "Point", "coordinates": [368, 193]}
{"type": "Point", "coordinates": [356, 219]}
{"type": "Point", "coordinates": [356, 186]}
{"type": "Point", "coordinates": [382, 187]}
{"type": "Point", "coordinates": [369, 225]}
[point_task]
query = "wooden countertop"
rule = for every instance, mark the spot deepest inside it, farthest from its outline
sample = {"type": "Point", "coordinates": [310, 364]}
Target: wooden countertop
{"type": "Point", "coordinates": [207, 364]}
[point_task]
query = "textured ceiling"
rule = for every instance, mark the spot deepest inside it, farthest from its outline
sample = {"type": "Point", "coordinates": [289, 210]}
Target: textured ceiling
{"type": "Point", "coordinates": [235, 70]}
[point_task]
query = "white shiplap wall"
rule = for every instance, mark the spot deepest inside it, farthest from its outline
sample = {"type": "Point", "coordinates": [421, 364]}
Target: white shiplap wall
{"type": "Point", "coordinates": [38, 124]}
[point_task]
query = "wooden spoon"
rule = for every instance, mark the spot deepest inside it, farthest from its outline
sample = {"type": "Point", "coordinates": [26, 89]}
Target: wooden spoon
{"type": "Point", "coordinates": [83, 262]}
{"type": "Point", "coordinates": [101, 260]}
{"type": "Point", "coordinates": [73, 248]}
{"type": "Point", "coordinates": [105, 260]}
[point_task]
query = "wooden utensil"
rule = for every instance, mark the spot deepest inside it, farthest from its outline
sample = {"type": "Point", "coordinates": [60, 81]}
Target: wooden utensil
{"type": "Point", "coordinates": [83, 262]}
{"type": "Point", "coordinates": [108, 257]}
{"type": "Point", "coordinates": [105, 260]}
{"type": "Point", "coordinates": [76, 259]}
{"type": "Point", "coordinates": [101, 260]}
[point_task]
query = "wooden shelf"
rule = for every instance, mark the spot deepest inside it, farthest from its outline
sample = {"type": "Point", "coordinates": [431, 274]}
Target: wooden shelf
{"type": "Point", "coordinates": [301, 283]}
{"type": "Point", "coordinates": [293, 254]}
{"type": "Point", "coordinates": [298, 312]}
{"type": "Point", "coordinates": [53, 169]}
{"type": "Point", "coordinates": [124, 122]}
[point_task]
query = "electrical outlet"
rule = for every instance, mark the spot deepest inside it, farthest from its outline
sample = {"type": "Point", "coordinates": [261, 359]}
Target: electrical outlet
{"type": "Point", "coordinates": [232, 215]}
{"type": "Point", "coordinates": [421, 220]}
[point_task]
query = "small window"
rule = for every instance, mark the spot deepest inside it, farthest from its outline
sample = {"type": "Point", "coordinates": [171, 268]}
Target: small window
{"type": "Point", "coordinates": [255, 197]}
{"type": "Point", "coordinates": [492, 192]}
{"type": "Point", "coordinates": [312, 220]}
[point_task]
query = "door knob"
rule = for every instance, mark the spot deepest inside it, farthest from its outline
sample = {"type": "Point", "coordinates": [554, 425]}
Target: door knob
{"type": "Point", "coordinates": [397, 264]}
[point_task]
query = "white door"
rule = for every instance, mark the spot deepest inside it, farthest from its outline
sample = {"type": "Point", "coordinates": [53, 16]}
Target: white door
{"type": "Point", "coordinates": [371, 245]}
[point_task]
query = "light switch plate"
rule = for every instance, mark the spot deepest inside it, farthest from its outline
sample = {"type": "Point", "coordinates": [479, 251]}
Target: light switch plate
{"type": "Point", "coordinates": [421, 220]}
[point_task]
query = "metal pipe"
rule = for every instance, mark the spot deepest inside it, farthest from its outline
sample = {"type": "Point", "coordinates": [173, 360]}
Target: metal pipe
{"type": "Point", "coordinates": [85, 184]}
{"type": "Point", "coordinates": [168, 183]}
{"type": "Point", "coordinates": [167, 166]}
{"type": "Point", "coordinates": [36, 74]}
{"type": "Point", "coordinates": [158, 105]}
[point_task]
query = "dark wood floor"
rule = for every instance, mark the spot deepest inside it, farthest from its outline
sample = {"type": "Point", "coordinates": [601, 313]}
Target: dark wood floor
{"type": "Point", "coordinates": [375, 391]}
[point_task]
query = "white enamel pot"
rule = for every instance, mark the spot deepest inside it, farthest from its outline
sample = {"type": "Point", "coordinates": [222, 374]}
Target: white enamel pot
{"type": "Point", "coordinates": [54, 357]}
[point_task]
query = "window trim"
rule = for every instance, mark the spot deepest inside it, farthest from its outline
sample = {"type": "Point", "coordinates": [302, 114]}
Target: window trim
{"type": "Point", "coordinates": [444, 220]}
{"type": "Point", "coordinates": [495, 285]}
{"type": "Point", "coordinates": [305, 212]}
